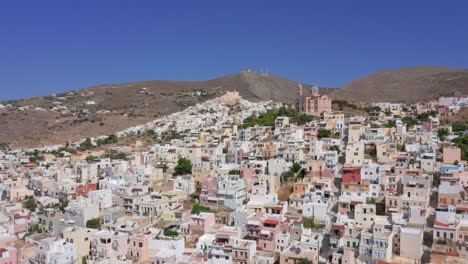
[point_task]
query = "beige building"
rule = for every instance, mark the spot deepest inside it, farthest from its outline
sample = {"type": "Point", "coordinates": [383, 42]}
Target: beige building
{"type": "Point", "coordinates": [355, 153]}
{"type": "Point", "coordinates": [411, 243]}
{"type": "Point", "coordinates": [81, 237]}
{"type": "Point", "coordinates": [364, 215]}
{"type": "Point", "coordinates": [355, 131]}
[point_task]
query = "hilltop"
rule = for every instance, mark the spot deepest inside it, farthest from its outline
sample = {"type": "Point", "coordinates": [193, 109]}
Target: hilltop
{"type": "Point", "coordinates": [105, 109]}
{"type": "Point", "coordinates": [407, 85]}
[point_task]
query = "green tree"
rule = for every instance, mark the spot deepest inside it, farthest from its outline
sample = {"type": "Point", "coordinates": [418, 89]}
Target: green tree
{"type": "Point", "coordinates": [335, 148]}
{"type": "Point", "coordinates": [83, 260]}
{"type": "Point", "coordinates": [163, 166]}
{"type": "Point", "coordinates": [371, 109]}
{"type": "Point", "coordinates": [184, 166]}
{"type": "Point", "coordinates": [85, 145]}
{"type": "Point", "coordinates": [91, 158]}
{"type": "Point", "coordinates": [304, 261]}
{"type": "Point", "coordinates": [30, 203]}
{"type": "Point", "coordinates": [32, 159]}
{"type": "Point", "coordinates": [323, 133]}
{"type": "Point", "coordinates": [111, 139]}
{"type": "Point", "coordinates": [309, 222]}
{"type": "Point", "coordinates": [93, 223]}
{"type": "Point", "coordinates": [295, 171]}
{"type": "Point", "coordinates": [462, 143]}
{"type": "Point", "coordinates": [169, 232]}
{"type": "Point", "coordinates": [302, 119]}
{"type": "Point", "coordinates": [391, 123]}
{"type": "Point", "coordinates": [409, 121]}
{"type": "Point", "coordinates": [442, 133]}
{"type": "Point", "coordinates": [120, 155]}
{"type": "Point", "coordinates": [197, 208]}
{"type": "Point", "coordinates": [458, 126]}
{"type": "Point", "coordinates": [372, 152]}
{"type": "Point", "coordinates": [234, 172]}
{"type": "Point", "coordinates": [296, 167]}
{"type": "Point", "coordinates": [62, 206]}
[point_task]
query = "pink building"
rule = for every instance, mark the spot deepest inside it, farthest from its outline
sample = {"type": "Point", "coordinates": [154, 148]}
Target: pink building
{"type": "Point", "coordinates": [309, 132]}
{"type": "Point", "coordinates": [314, 103]}
{"type": "Point", "coordinates": [451, 154]}
{"type": "Point", "coordinates": [427, 126]}
{"type": "Point", "coordinates": [200, 223]}
{"type": "Point", "coordinates": [7, 240]}
{"type": "Point", "coordinates": [8, 255]}
{"type": "Point", "coordinates": [264, 230]}
{"type": "Point", "coordinates": [209, 192]}
{"type": "Point", "coordinates": [21, 221]}
{"type": "Point", "coordinates": [317, 170]}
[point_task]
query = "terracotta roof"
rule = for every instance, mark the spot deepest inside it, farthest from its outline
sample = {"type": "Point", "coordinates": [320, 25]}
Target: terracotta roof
{"type": "Point", "coordinates": [2, 250]}
{"type": "Point", "coordinates": [441, 224]}
{"type": "Point", "coordinates": [270, 221]}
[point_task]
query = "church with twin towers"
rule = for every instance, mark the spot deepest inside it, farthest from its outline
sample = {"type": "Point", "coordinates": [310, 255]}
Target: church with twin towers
{"type": "Point", "coordinates": [312, 103]}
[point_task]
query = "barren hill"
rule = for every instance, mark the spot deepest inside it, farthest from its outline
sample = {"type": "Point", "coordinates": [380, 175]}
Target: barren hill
{"type": "Point", "coordinates": [106, 109]}
{"type": "Point", "coordinates": [405, 85]}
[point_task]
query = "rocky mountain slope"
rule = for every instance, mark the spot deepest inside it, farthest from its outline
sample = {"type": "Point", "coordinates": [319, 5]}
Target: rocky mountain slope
{"type": "Point", "coordinates": [405, 85]}
{"type": "Point", "coordinates": [106, 109]}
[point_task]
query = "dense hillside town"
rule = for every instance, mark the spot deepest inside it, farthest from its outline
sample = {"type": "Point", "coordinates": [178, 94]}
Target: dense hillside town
{"type": "Point", "coordinates": [229, 181]}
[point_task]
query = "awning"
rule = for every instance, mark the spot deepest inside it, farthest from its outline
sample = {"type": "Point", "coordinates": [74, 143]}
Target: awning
{"type": "Point", "coordinates": [224, 236]}
{"type": "Point", "coordinates": [265, 232]}
{"type": "Point", "coordinates": [213, 198]}
{"type": "Point", "coordinates": [270, 221]}
{"type": "Point", "coordinates": [339, 227]}
{"type": "Point", "coordinates": [252, 222]}
{"type": "Point", "coordinates": [437, 223]}
{"type": "Point", "coordinates": [354, 203]}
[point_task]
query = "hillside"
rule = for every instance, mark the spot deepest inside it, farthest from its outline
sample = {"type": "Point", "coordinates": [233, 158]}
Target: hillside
{"type": "Point", "coordinates": [405, 85]}
{"type": "Point", "coordinates": [106, 109]}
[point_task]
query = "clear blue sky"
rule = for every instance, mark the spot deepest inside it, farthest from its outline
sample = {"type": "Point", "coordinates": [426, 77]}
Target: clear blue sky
{"type": "Point", "coordinates": [55, 46]}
